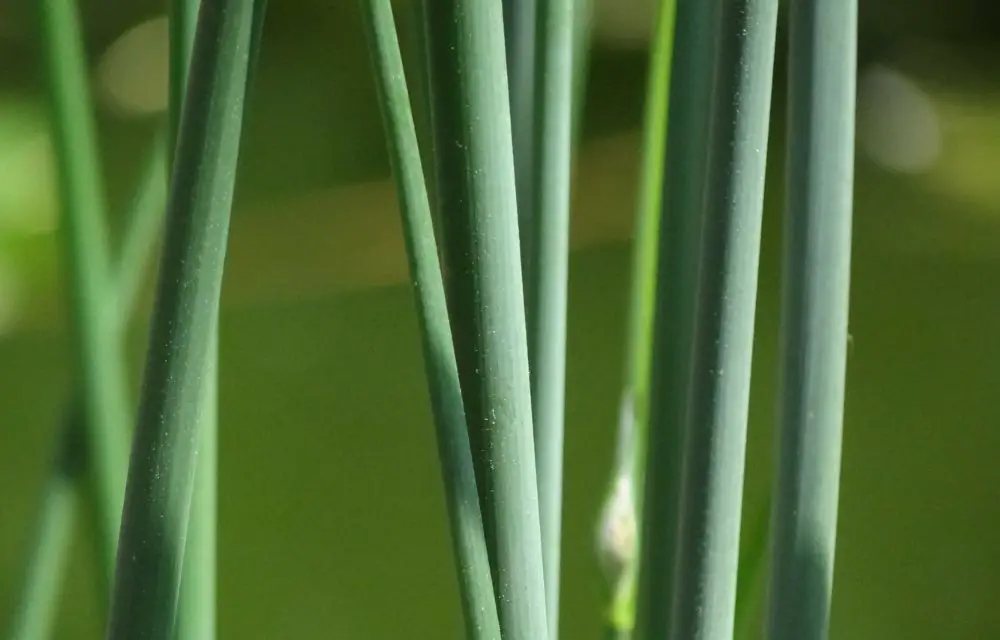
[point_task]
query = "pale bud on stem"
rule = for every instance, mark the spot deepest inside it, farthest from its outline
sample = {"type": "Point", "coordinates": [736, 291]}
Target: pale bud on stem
{"type": "Point", "coordinates": [616, 534]}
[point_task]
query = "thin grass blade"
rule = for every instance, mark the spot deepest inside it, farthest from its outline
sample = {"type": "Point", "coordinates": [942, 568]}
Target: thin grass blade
{"type": "Point", "coordinates": [196, 614]}
{"type": "Point", "coordinates": [822, 79]}
{"type": "Point", "coordinates": [545, 259]}
{"type": "Point", "coordinates": [35, 614]}
{"type": "Point", "coordinates": [162, 468]}
{"type": "Point", "coordinates": [448, 128]}
{"type": "Point", "coordinates": [145, 222]}
{"type": "Point", "coordinates": [60, 502]}
{"type": "Point", "coordinates": [683, 186]}
{"type": "Point", "coordinates": [99, 358]}
{"type": "Point", "coordinates": [475, 580]}
{"type": "Point", "coordinates": [716, 427]}
{"type": "Point", "coordinates": [477, 197]}
{"type": "Point", "coordinates": [619, 530]}
{"type": "Point", "coordinates": [183, 23]}
{"type": "Point", "coordinates": [520, 18]}
{"type": "Point", "coordinates": [639, 353]}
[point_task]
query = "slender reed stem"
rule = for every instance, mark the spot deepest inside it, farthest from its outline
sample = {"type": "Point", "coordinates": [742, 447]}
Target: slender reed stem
{"type": "Point", "coordinates": [475, 580]}
{"type": "Point", "coordinates": [35, 616]}
{"type": "Point", "coordinates": [520, 19]}
{"type": "Point", "coordinates": [99, 358]}
{"type": "Point", "coordinates": [623, 504]}
{"type": "Point", "coordinates": [715, 431]}
{"type": "Point", "coordinates": [545, 252]}
{"type": "Point", "coordinates": [683, 186]}
{"type": "Point", "coordinates": [822, 74]}
{"type": "Point", "coordinates": [36, 610]}
{"type": "Point", "coordinates": [183, 25]}
{"type": "Point", "coordinates": [196, 614]}
{"type": "Point", "coordinates": [162, 469]}
{"type": "Point", "coordinates": [446, 133]}
{"type": "Point", "coordinates": [477, 197]}
{"type": "Point", "coordinates": [145, 222]}
{"type": "Point", "coordinates": [639, 354]}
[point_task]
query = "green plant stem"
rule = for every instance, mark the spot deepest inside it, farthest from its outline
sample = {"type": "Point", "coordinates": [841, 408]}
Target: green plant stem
{"type": "Point", "coordinates": [715, 431]}
{"type": "Point", "coordinates": [520, 39]}
{"type": "Point", "coordinates": [35, 615]}
{"type": "Point", "coordinates": [145, 222]}
{"type": "Point", "coordinates": [99, 358]}
{"type": "Point", "coordinates": [477, 198]}
{"type": "Point", "coordinates": [196, 614]}
{"type": "Point", "coordinates": [475, 580]}
{"type": "Point", "coordinates": [545, 251]}
{"type": "Point", "coordinates": [162, 468]}
{"type": "Point", "coordinates": [673, 325]}
{"type": "Point", "coordinates": [822, 76]}
{"type": "Point", "coordinates": [639, 354]}
{"type": "Point", "coordinates": [183, 25]}
{"type": "Point", "coordinates": [448, 129]}
{"type": "Point", "coordinates": [36, 610]}
{"type": "Point", "coordinates": [634, 421]}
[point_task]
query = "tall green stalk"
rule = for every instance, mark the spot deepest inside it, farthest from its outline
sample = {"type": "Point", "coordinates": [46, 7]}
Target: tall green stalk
{"type": "Point", "coordinates": [99, 355]}
{"type": "Point", "coordinates": [545, 253]}
{"type": "Point", "coordinates": [642, 300]}
{"type": "Point", "coordinates": [145, 223]}
{"type": "Point", "coordinates": [683, 187]}
{"type": "Point", "coordinates": [75, 459]}
{"type": "Point", "coordinates": [465, 518]}
{"type": "Point", "coordinates": [162, 469]}
{"type": "Point", "coordinates": [477, 197]}
{"type": "Point", "coordinates": [623, 505]}
{"type": "Point", "coordinates": [35, 613]}
{"type": "Point", "coordinates": [822, 74]}
{"type": "Point", "coordinates": [521, 32]}
{"type": "Point", "coordinates": [196, 615]}
{"type": "Point", "coordinates": [716, 426]}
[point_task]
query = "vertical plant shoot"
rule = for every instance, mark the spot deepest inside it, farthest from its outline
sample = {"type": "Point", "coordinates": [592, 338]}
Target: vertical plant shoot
{"type": "Point", "coordinates": [683, 185]}
{"type": "Point", "coordinates": [465, 518]}
{"type": "Point", "coordinates": [821, 93]}
{"type": "Point", "coordinates": [715, 432]}
{"type": "Point", "coordinates": [164, 454]}
{"type": "Point", "coordinates": [477, 199]}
